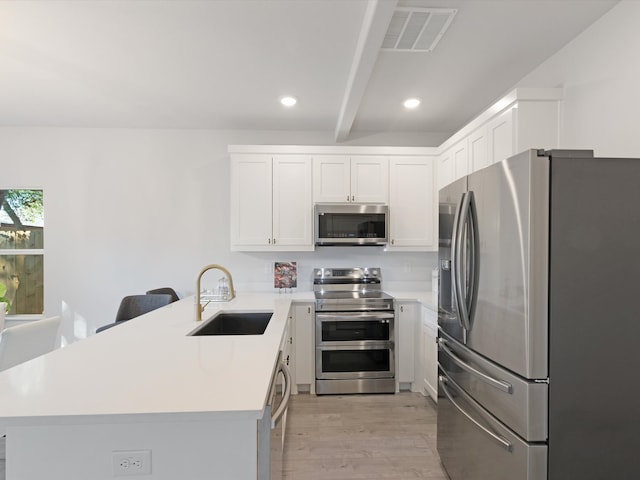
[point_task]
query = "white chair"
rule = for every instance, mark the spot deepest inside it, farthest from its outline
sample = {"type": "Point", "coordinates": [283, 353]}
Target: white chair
{"type": "Point", "coordinates": [26, 341]}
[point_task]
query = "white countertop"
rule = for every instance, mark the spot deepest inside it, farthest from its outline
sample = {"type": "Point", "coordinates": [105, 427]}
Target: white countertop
{"type": "Point", "coordinates": [426, 298]}
{"type": "Point", "coordinates": [151, 369]}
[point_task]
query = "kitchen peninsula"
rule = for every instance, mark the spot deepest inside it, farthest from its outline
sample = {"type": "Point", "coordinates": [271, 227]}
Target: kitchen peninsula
{"type": "Point", "coordinates": [194, 402]}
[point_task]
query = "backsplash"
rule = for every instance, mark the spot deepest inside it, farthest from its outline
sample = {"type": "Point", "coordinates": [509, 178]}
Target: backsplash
{"type": "Point", "coordinates": [400, 271]}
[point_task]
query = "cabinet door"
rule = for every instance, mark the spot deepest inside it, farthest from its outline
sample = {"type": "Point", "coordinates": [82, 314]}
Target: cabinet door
{"type": "Point", "coordinates": [331, 179]}
{"type": "Point", "coordinates": [292, 203]}
{"type": "Point", "coordinates": [304, 345]}
{"type": "Point", "coordinates": [406, 326]}
{"type": "Point", "coordinates": [369, 179]}
{"type": "Point", "coordinates": [500, 136]}
{"type": "Point", "coordinates": [445, 169]}
{"type": "Point", "coordinates": [288, 349]}
{"type": "Point", "coordinates": [412, 202]}
{"type": "Point", "coordinates": [478, 155]}
{"type": "Point", "coordinates": [251, 200]}
{"type": "Point", "coordinates": [460, 159]}
{"type": "Point", "coordinates": [429, 352]}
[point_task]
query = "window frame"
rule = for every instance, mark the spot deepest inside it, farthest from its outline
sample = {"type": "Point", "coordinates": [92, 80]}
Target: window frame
{"type": "Point", "coordinates": [28, 252]}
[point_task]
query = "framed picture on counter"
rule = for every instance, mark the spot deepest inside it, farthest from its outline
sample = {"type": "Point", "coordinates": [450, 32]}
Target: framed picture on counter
{"type": "Point", "coordinates": [285, 275]}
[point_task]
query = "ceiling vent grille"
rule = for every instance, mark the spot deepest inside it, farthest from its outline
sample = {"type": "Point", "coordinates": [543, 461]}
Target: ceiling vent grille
{"type": "Point", "coordinates": [417, 29]}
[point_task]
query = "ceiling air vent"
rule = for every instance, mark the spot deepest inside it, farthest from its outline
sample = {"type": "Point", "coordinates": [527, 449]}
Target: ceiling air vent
{"type": "Point", "coordinates": [417, 29]}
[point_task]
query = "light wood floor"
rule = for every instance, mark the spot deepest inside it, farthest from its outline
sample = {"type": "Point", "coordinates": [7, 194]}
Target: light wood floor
{"type": "Point", "coordinates": [391, 437]}
{"type": "Point", "coordinates": [355, 437]}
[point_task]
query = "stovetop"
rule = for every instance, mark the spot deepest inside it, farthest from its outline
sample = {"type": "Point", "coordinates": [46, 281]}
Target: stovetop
{"type": "Point", "coordinates": [357, 288]}
{"type": "Point", "coordinates": [353, 278]}
{"type": "Point", "coordinates": [352, 295]}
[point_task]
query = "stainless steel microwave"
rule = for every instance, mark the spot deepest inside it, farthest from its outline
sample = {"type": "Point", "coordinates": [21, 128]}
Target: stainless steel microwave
{"type": "Point", "coordinates": [351, 224]}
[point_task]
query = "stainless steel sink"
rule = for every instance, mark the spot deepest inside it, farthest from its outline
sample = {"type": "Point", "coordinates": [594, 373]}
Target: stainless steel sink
{"type": "Point", "coordinates": [235, 323]}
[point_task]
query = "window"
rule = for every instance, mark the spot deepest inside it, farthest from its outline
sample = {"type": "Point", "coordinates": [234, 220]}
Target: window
{"type": "Point", "coordinates": [22, 251]}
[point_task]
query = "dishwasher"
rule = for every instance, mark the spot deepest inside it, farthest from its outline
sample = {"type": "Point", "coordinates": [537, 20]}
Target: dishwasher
{"type": "Point", "coordinates": [272, 426]}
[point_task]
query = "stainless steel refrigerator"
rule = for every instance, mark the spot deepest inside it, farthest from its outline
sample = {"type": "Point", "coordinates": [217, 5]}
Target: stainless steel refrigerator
{"type": "Point", "coordinates": [539, 322]}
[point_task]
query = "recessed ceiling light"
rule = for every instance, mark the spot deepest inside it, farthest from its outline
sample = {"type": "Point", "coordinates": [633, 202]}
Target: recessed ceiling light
{"type": "Point", "coordinates": [288, 101]}
{"type": "Point", "coordinates": [411, 103]}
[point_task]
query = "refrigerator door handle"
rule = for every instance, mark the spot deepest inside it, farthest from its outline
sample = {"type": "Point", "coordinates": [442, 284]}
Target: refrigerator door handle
{"type": "Point", "coordinates": [500, 440]}
{"type": "Point", "coordinates": [499, 384]}
{"type": "Point", "coordinates": [455, 259]}
{"type": "Point", "coordinates": [458, 261]}
{"type": "Point", "coordinates": [474, 257]}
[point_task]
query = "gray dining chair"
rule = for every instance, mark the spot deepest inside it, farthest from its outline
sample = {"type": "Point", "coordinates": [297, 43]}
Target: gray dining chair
{"type": "Point", "coordinates": [166, 291]}
{"type": "Point", "coordinates": [133, 306]}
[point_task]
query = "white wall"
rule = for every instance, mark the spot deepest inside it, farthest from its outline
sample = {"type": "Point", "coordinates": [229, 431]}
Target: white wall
{"type": "Point", "coordinates": [131, 210]}
{"type": "Point", "coordinates": [600, 73]}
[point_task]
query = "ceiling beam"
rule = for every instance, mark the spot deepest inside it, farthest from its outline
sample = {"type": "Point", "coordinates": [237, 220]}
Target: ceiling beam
{"type": "Point", "coordinates": [374, 27]}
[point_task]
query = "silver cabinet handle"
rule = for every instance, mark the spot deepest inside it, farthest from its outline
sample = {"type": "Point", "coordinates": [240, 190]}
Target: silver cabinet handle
{"type": "Point", "coordinates": [275, 418]}
{"type": "Point", "coordinates": [503, 442]}
{"type": "Point", "coordinates": [499, 384]}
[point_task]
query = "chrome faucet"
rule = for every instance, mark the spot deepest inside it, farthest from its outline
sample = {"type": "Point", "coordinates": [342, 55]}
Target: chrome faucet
{"type": "Point", "coordinates": [199, 307]}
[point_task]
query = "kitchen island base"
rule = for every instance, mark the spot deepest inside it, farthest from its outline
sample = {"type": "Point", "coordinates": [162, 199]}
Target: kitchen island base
{"type": "Point", "coordinates": [196, 450]}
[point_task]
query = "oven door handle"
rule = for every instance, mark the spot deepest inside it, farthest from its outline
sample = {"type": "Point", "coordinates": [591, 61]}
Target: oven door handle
{"type": "Point", "coordinates": [355, 316]}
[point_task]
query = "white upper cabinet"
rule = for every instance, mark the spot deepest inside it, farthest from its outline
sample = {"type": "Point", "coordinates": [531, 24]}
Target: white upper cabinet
{"type": "Point", "coordinates": [369, 179]}
{"type": "Point", "coordinates": [251, 205]}
{"type": "Point", "coordinates": [350, 179]}
{"type": "Point", "coordinates": [478, 154]}
{"type": "Point", "coordinates": [453, 163]}
{"type": "Point", "coordinates": [412, 204]}
{"type": "Point", "coordinates": [500, 137]}
{"type": "Point", "coordinates": [292, 204]}
{"type": "Point", "coordinates": [271, 204]}
{"type": "Point", "coordinates": [445, 168]}
{"type": "Point", "coordinates": [460, 155]}
{"type": "Point", "coordinates": [331, 179]}
{"type": "Point", "coordinates": [525, 118]}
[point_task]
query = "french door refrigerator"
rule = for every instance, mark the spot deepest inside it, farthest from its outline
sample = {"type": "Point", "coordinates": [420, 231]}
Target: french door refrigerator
{"type": "Point", "coordinates": [539, 321]}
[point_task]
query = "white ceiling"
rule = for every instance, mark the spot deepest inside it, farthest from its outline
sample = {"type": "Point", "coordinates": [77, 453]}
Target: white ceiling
{"type": "Point", "coordinates": [223, 64]}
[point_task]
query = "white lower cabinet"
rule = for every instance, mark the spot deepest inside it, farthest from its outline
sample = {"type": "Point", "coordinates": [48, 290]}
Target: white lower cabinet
{"type": "Point", "coordinates": [406, 322]}
{"type": "Point", "coordinates": [429, 352]}
{"type": "Point", "coordinates": [301, 320]}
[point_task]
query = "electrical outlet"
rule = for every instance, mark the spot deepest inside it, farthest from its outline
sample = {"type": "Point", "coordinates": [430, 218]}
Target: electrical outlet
{"type": "Point", "coordinates": [131, 462]}
{"type": "Point", "coordinates": [407, 268]}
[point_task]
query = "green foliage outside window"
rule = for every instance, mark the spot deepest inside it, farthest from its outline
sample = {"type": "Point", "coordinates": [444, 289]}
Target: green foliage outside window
{"type": "Point", "coordinates": [21, 250]}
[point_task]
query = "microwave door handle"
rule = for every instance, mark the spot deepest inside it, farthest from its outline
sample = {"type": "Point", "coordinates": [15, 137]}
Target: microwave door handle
{"type": "Point", "coordinates": [499, 439]}
{"type": "Point", "coordinates": [458, 263]}
{"type": "Point", "coordinates": [499, 384]}
{"type": "Point", "coordinates": [474, 258]}
{"type": "Point", "coordinates": [454, 257]}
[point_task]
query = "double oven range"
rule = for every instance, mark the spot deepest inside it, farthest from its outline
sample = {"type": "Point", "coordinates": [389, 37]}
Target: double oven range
{"type": "Point", "coordinates": [354, 331]}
